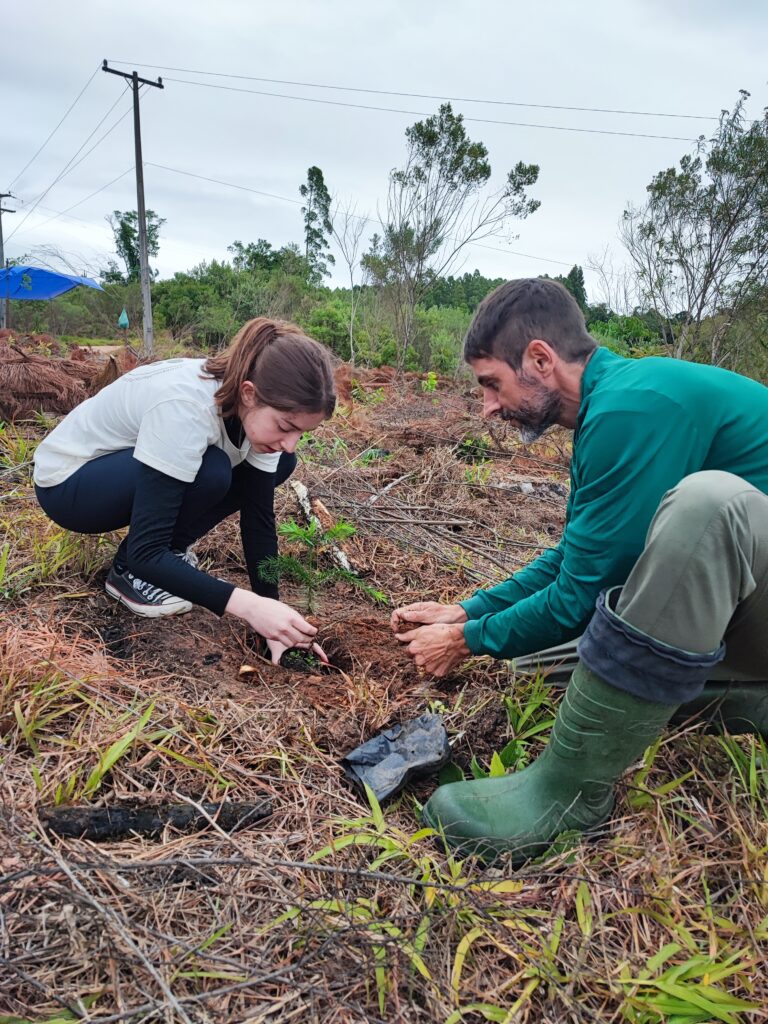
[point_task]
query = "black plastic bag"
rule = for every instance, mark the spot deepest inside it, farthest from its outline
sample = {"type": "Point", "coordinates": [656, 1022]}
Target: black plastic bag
{"type": "Point", "coordinates": [393, 757]}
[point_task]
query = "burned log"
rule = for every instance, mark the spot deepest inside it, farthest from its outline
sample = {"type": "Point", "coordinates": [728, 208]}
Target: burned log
{"type": "Point", "coordinates": [100, 823]}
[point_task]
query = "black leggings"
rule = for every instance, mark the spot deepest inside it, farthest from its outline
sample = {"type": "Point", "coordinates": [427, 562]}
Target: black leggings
{"type": "Point", "coordinates": [99, 496]}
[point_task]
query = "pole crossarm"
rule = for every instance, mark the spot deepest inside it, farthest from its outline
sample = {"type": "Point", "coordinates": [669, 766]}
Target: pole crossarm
{"type": "Point", "coordinates": [133, 75]}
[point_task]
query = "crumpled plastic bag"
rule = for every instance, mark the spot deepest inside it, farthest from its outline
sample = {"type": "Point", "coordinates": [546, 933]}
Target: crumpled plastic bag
{"type": "Point", "coordinates": [393, 757]}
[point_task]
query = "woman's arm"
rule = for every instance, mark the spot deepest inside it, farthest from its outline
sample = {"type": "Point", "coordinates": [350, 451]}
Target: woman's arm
{"type": "Point", "coordinates": [257, 525]}
{"type": "Point", "coordinates": [150, 556]}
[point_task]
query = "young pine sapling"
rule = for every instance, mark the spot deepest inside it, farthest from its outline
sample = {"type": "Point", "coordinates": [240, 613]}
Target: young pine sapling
{"type": "Point", "coordinates": [305, 568]}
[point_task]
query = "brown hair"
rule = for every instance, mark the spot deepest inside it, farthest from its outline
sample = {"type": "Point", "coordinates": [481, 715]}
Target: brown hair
{"type": "Point", "coordinates": [515, 313]}
{"type": "Point", "coordinates": [288, 370]}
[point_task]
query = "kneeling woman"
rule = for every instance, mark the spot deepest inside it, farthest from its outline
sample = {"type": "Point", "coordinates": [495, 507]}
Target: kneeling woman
{"type": "Point", "coordinates": [172, 448]}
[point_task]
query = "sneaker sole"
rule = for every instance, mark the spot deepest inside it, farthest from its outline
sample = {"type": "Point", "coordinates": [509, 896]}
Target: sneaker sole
{"type": "Point", "coordinates": [145, 610]}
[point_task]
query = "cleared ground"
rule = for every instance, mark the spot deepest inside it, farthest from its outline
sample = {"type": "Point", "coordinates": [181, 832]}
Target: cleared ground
{"type": "Point", "coordinates": [332, 909]}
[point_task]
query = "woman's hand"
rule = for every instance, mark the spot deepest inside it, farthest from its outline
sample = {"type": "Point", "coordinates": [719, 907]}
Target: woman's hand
{"type": "Point", "coordinates": [277, 650]}
{"type": "Point", "coordinates": [274, 620]}
{"type": "Point", "coordinates": [425, 613]}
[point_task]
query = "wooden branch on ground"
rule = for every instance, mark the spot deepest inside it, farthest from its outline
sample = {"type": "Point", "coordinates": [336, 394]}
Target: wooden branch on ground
{"type": "Point", "coordinates": [316, 512]}
{"type": "Point", "coordinates": [390, 485]}
{"type": "Point", "coordinates": [536, 488]}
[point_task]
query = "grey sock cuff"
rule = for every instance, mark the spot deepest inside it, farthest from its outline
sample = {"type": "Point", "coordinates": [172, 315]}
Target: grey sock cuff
{"type": "Point", "coordinates": [631, 661]}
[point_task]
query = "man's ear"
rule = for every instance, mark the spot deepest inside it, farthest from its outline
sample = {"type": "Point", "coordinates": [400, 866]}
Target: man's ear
{"type": "Point", "coordinates": [540, 357]}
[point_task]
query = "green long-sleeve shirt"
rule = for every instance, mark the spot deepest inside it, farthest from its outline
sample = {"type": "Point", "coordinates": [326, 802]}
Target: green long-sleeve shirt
{"type": "Point", "coordinates": [643, 425]}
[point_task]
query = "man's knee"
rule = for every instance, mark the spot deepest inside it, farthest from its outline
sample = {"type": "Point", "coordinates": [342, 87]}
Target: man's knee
{"type": "Point", "coordinates": [698, 499]}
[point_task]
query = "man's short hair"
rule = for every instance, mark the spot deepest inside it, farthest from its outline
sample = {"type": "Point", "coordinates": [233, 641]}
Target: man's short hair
{"type": "Point", "coordinates": [516, 312]}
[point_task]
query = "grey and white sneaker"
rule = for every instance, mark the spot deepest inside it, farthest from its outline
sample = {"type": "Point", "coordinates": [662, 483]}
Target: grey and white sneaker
{"type": "Point", "coordinates": [143, 598]}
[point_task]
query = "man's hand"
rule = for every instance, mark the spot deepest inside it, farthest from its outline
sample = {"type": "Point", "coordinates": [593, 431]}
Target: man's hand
{"type": "Point", "coordinates": [436, 648]}
{"type": "Point", "coordinates": [424, 613]}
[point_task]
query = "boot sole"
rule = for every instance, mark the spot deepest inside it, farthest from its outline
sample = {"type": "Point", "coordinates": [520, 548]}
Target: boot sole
{"type": "Point", "coordinates": [146, 611]}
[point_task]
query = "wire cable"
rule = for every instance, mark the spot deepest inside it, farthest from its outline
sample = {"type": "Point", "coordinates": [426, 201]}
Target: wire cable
{"type": "Point", "coordinates": [355, 216]}
{"type": "Point", "coordinates": [63, 213]}
{"type": "Point", "coordinates": [421, 113]}
{"type": "Point", "coordinates": [65, 169]}
{"type": "Point", "coordinates": [61, 122]}
{"type": "Point", "coordinates": [415, 95]}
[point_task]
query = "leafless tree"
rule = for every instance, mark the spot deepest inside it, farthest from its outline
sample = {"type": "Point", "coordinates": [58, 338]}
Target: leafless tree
{"type": "Point", "coordinates": [348, 227]}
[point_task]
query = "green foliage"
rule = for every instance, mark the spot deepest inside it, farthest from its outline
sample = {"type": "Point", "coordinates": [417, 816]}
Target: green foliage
{"type": "Point", "coordinates": [426, 224]}
{"type": "Point", "coordinates": [687, 992]}
{"type": "Point", "coordinates": [256, 257]}
{"type": "Point", "coordinates": [438, 338]}
{"type": "Point", "coordinates": [465, 292]}
{"type": "Point", "coordinates": [628, 336]}
{"type": "Point", "coordinates": [314, 542]}
{"type": "Point", "coordinates": [574, 282]}
{"type": "Point", "coordinates": [699, 244]}
{"type": "Point", "coordinates": [329, 323]}
{"type": "Point", "coordinates": [311, 447]}
{"type": "Point", "coordinates": [317, 224]}
{"type": "Point", "coordinates": [531, 712]}
{"type": "Point", "coordinates": [125, 227]}
{"type": "Point", "coordinates": [474, 449]}
{"type": "Point", "coordinates": [370, 455]}
{"type": "Point", "coordinates": [373, 397]}
{"type": "Point", "coordinates": [478, 475]}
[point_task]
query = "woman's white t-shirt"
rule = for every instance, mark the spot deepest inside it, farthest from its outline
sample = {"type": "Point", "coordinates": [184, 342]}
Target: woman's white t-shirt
{"type": "Point", "coordinates": [165, 411]}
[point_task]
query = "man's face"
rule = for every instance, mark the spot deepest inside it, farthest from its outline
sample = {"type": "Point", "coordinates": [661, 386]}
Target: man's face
{"type": "Point", "coordinates": [517, 397]}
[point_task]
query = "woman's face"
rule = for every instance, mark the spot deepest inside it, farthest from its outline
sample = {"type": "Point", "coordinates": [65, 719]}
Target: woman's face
{"type": "Point", "coordinates": [272, 430]}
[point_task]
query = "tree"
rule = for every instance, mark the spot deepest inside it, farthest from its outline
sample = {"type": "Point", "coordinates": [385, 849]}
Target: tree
{"type": "Point", "coordinates": [699, 245]}
{"type": "Point", "coordinates": [574, 282]}
{"type": "Point", "coordinates": [348, 232]}
{"type": "Point", "coordinates": [254, 256]}
{"type": "Point", "coordinates": [436, 205]}
{"type": "Point", "coordinates": [125, 226]}
{"type": "Point", "coordinates": [318, 224]}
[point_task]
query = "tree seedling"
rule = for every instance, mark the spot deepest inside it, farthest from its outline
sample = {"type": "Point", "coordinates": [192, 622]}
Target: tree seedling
{"type": "Point", "coordinates": [305, 568]}
{"type": "Point", "coordinates": [474, 449]}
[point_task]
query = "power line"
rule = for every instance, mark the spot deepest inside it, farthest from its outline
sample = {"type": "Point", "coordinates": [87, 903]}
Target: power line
{"type": "Point", "coordinates": [96, 144]}
{"type": "Point", "coordinates": [61, 122]}
{"type": "Point", "coordinates": [355, 216]}
{"type": "Point", "coordinates": [67, 166]}
{"type": "Point", "coordinates": [421, 113]}
{"type": "Point", "coordinates": [231, 184]}
{"type": "Point", "coordinates": [63, 213]}
{"type": "Point", "coordinates": [418, 95]}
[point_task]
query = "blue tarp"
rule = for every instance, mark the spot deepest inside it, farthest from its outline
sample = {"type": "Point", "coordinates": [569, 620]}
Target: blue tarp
{"type": "Point", "coordinates": [38, 283]}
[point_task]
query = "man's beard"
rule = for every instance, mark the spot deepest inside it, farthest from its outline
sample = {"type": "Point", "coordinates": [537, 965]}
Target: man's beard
{"type": "Point", "coordinates": [537, 413]}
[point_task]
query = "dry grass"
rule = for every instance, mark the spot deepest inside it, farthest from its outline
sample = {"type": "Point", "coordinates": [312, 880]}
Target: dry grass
{"type": "Point", "coordinates": [333, 910]}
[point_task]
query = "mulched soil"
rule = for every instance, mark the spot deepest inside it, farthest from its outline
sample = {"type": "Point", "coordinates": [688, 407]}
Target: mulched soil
{"type": "Point", "coordinates": [270, 923]}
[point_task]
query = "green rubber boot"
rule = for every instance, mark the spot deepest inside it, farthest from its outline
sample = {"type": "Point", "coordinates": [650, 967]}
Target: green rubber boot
{"type": "Point", "coordinates": [736, 708]}
{"type": "Point", "coordinates": [599, 732]}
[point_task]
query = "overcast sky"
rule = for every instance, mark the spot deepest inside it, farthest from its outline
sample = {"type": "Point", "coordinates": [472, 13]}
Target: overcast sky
{"type": "Point", "coordinates": [663, 56]}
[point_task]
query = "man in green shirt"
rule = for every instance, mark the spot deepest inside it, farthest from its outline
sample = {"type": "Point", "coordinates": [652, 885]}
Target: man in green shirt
{"type": "Point", "coordinates": [662, 566]}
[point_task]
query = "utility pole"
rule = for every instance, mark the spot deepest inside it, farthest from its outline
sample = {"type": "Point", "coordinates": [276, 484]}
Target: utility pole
{"type": "Point", "coordinates": [3, 298]}
{"type": "Point", "coordinates": [146, 296]}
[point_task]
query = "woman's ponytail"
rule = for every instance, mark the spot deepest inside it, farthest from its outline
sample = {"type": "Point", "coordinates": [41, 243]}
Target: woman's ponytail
{"type": "Point", "coordinates": [289, 371]}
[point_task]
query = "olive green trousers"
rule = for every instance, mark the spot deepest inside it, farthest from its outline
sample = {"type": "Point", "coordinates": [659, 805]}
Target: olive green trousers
{"type": "Point", "coordinates": [701, 580]}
